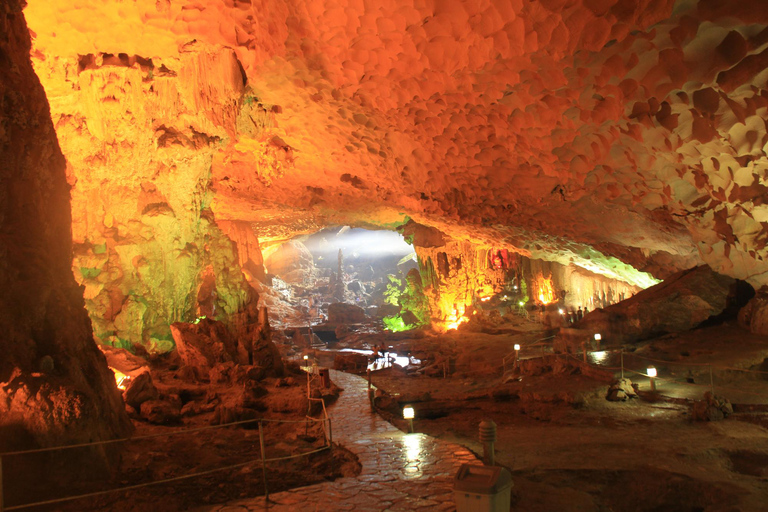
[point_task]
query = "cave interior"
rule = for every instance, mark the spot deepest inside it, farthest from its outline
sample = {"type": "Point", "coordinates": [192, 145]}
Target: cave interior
{"type": "Point", "coordinates": [494, 209]}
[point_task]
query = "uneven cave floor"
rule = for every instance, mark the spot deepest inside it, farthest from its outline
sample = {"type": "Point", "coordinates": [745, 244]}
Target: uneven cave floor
{"type": "Point", "coordinates": [168, 456]}
{"type": "Point", "coordinates": [569, 449]}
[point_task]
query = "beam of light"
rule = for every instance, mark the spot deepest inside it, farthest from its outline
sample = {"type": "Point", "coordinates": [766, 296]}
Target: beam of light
{"type": "Point", "coordinates": [121, 379]}
{"type": "Point", "coordinates": [361, 242]}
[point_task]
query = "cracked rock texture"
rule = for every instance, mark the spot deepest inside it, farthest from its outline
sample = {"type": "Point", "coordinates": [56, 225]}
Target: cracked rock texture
{"type": "Point", "coordinates": [55, 387]}
{"type": "Point", "coordinates": [626, 137]}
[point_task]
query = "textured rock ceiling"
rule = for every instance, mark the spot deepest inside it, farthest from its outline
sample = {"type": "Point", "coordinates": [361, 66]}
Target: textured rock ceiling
{"type": "Point", "coordinates": [591, 131]}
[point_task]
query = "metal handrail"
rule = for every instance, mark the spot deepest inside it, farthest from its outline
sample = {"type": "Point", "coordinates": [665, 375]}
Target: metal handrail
{"type": "Point", "coordinates": [512, 355]}
{"type": "Point", "coordinates": [327, 435]}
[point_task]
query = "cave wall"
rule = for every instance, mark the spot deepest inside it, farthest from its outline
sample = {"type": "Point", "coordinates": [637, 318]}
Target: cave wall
{"type": "Point", "coordinates": [140, 137]}
{"type": "Point", "coordinates": [55, 387]}
{"type": "Point", "coordinates": [573, 287]}
{"type": "Point", "coordinates": [457, 274]}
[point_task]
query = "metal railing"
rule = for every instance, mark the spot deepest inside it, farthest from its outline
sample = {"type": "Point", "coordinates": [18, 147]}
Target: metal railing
{"type": "Point", "coordinates": [512, 357]}
{"type": "Point", "coordinates": [686, 380]}
{"type": "Point", "coordinates": [327, 440]}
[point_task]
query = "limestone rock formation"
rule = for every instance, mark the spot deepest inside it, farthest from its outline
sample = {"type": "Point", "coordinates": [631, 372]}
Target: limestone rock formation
{"type": "Point", "coordinates": [754, 316]}
{"type": "Point", "coordinates": [341, 313]}
{"type": "Point", "coordinates": [207, 343]}
{"type": "Point", "coordinates": [140, 389]}
{"type": "Point", "coordinates": [55, 387]}
{"type": "Point", "coordinates": [678, 304]}
{"type": "Point", "coordinates": [608, 135]}
{"type": "Point", "coordinates": [711, 408]}
{"type": "Point", "coordinates": [292, 261]}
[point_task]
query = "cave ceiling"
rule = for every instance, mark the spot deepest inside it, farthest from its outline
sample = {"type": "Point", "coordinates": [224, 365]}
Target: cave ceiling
{"type": "Point", "coordinates": [614, 134]}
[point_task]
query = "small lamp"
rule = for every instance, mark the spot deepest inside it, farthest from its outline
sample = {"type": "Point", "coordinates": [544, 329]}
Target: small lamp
{"type": "Point", "coordinates": [517, 346]}
{"type": "Point", "coordinates": [652, 374]}
{"type": "Point", "coordinates": [598, 337]}
{"type": "Point", "coordinates": [408, 414]}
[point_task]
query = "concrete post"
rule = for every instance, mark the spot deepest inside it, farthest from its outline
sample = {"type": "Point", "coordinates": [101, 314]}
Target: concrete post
{"type": "Point", "coordinates": [488, 438]}
{"type": "Point", "coordinates": [263, 463]}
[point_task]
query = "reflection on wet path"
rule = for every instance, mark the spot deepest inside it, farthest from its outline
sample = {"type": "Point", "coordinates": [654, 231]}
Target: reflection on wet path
{"type": "Point", "coordinates": [400, 471]}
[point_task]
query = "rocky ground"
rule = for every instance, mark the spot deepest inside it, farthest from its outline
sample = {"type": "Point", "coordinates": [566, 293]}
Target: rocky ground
{"type": "Point", "coordinates": [172, 404]}
{"type": "Point", "coordinates": [569, 448]}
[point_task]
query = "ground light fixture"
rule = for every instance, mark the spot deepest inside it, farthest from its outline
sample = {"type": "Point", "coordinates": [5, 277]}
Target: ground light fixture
{"type": "Point", "coordinates": [598, 336]}
{"type": "Point", "coordinates": [651, 371]}
{"type": "Point", "coordinates": [408, 414]}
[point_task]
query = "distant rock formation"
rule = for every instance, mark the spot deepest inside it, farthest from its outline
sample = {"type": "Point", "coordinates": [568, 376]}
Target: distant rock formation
{"type": "Point", "coordinates": [678, 304]}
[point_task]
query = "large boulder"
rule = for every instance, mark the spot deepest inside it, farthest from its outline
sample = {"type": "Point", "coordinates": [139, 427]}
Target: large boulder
{"type": "Point", "coordinates": [204, 344]}
{"type": "Point", "coordinates": [161, 412]}
{"type": "Point", "coordinates": [122, 360]}
{"type": "Point", "coordinates": [621, 390]}
{"type": "Point", "coordinates": [712, 408]}
{"type": "Point", "coordinates": [208, 343]}
{"type": "Point", "coordinates": [342, 313]}
{"type": "Point", "coordinates": [292, 261]}
{"type": "Point", "coordinates": [754, 316]}
{"type": "Point", "coordinates": [680, 303]}
{"type": "Point", "coordinates": [140, 389]}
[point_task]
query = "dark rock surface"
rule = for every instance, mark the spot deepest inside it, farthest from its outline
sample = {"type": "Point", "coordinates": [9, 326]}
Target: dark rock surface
{"type": "Point", "coordinates": [678, 304]}
{"type": "Point", "coordinates": [342, 313]}
{"type": "Point", "coordinates": [754, 316]}
{"type": "Point", "coordinates": [55, 387]}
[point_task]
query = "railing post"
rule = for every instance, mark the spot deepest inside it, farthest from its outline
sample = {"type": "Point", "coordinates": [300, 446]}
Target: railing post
{"type": "Point", "coordinates": [263, 463]}
{"type": "Point", "coordinates": [711, 383]}
{"type": "Point", "coordinates": [622, 363]}
{"type": "Point", "coordinates": [2, 506]}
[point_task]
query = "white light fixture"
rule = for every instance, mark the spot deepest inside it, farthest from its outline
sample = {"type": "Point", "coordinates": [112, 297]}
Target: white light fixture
{"type": "Point", "coordinates": [517, 346]}
{"type": "Point", "coordinates": [598, 336]}
{"type": "Point", "coordinates": [408, 414]}
{"type": "Point", "coordinates": [652, 373]}
{"type": "Point", "coordinates": [521, 303]}
{"type": "Point", "coordinates": [306, 357]}
{"type": "Point", "coordinates": [561, 311]}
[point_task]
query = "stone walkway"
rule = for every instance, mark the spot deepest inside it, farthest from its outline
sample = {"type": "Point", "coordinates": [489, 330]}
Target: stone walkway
{"type": "Point", "coordinates": [400, 472]}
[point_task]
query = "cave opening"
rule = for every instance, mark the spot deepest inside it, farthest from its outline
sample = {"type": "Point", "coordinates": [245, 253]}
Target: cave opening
{"type": "Point", "coordinates": [338, 276]}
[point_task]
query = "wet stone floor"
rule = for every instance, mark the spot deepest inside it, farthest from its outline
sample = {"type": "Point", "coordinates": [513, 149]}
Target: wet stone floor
{"type": "Point", "coordinates": [400, 472]}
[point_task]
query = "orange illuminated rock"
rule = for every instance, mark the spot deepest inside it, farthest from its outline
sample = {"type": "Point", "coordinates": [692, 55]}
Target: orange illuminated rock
{"type": "Point", "coordinates": [55, 386]}
{"type": "Point", "coordinates": [612, 135]}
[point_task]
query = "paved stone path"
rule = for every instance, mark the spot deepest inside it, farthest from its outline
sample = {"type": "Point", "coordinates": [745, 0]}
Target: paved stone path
{"type": "Point", "coordinates": [400, 472]}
